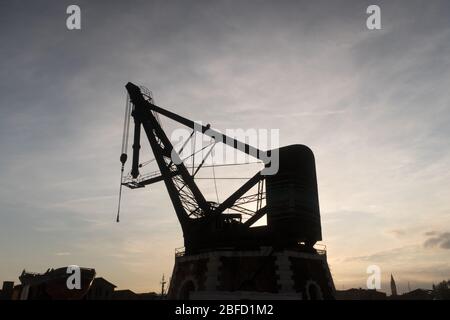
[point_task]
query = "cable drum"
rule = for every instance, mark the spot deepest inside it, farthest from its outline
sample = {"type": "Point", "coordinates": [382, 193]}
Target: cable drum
{"type": "Point", "coordinates": [292, 197]}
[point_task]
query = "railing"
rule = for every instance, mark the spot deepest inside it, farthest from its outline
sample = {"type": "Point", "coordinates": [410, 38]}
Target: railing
{"type": "Point", "coordinates": [320, 248]}
{"type": "Point", "coordinates": [139, 182]}
{"type": "Point", "coordinates": [147, 93]}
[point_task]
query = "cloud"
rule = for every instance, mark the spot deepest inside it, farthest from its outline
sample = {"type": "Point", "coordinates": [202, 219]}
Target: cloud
{"type": "Point", "coordinates": [62, 254]}
{"type": "Point", "coordinates": [439, 240]}
{"type": "Point", "coordinates": [398, 232]}
{"type": "Point", "coordinates": [385, 255]}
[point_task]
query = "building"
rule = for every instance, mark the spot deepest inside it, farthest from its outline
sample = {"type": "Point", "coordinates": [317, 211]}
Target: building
{"type": "Point", "coordinates": [52, 285]}
{"type": "Point", "coordinates": [7, 290]}
{"type": "Point", "coordinates": [101, 289]}
{"type": "Point", "coordinates": [151, 296]}
{"type": "Point", "coordinates": [360, 294]}
{"type": "Point", "coordinates": [417, 294]}
{"type": "Point", "coordinates": [130, 295]}
{"type": "Point", "coordinates": [126, 294]}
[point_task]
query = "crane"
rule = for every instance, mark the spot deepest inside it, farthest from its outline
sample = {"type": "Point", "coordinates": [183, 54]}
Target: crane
{"type": "Point", "coordinates": [290, 195]}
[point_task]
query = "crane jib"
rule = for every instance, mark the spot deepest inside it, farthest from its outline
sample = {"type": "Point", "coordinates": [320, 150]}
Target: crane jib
{"type": "Point", "coordinates": [207, 130]}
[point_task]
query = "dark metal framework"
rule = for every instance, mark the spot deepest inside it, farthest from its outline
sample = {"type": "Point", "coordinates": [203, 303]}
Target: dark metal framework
{"type": "Point", "coordinates": [205, 224]}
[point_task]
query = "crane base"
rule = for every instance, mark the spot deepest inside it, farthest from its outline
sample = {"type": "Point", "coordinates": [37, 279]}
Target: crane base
{"type": "Point", "coordinates": [261, 274]}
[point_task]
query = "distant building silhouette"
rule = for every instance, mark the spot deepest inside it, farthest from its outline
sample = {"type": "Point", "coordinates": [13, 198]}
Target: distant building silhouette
{"type": "Point", "coordinates": [6, 292]}
{"type": "Point", "coordinates": [393, 287]}
{"type": "Point", "coordinates": [49, 286]}
{"type": "Point", "coordinates": [126, 294]}
{"type": "Point", "coordinates": [150, 296]}
{"type": "Point", "coordinates": [417, 294]}
{"type": "Point", "coordinates": [360, 294]}
{"type": "Point", "coordinates": [130, 295]}
{"type": "Point", "coordinates": [101, 289]}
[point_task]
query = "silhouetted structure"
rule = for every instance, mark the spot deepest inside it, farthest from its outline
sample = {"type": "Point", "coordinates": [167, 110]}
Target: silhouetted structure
{"type": "Point", "coordinates": [151, 296]}
{"type": "Point", "coordinates": [360, 294]}
{"type": "Point", "coordinates": [130, 295]}
{"type": "Point", "coordinates": [393, 287]}
{"type": "Point", "coordinates": [124, 295]}
{"type": "Point", "coordinates": [7, 290]}
{"type": "Point", "coordinates": [223, 253]}
{"type": "Point", "coordinates": [417, 294]}
{"type": "Point", "coordinates": [49, 286]}
{"type": "Point", "coordinates": [52, 285]}
{"type": "Point", "coordinates": [441, 291]}
{"type": "Point", "coordinates": [101, 289]}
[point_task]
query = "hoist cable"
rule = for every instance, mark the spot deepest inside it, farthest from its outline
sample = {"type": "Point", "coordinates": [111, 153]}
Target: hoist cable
{"type": "Point", "coordinates": [224, 164]}
{"type": "Point", "coordinates": [182, 148]}
{"type": "Point", "coordinates": [143, 164]}
{"type": "Point", "coordinates": [126, 125]}
{"type": "Point", "coordinates": [193, 155]}
{"type": "Point", "coordinates": [187, 157]}
{"type": "Point", "coordinates": [185, 143]}
{"type": "Point", "coordinates": [204, 159]}
{"type": "Point", "coordinates": [223, 178]}
{"type": "Point", "coordinates": [123, 156]}
{"type": "Point", "coordinates": [214, 176]}
{"type": "Point", "coordinates": [120, 196]}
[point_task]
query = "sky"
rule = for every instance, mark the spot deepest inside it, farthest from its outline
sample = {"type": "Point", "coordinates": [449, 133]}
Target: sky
{"type": "Point", "coordinates": [373, 105]}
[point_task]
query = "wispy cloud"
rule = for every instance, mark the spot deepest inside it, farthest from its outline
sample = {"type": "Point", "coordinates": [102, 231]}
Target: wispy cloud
{"type": "Point", "coordinates": [439, 240]}
{"type": "Point", "coordinates": [62, 253]}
